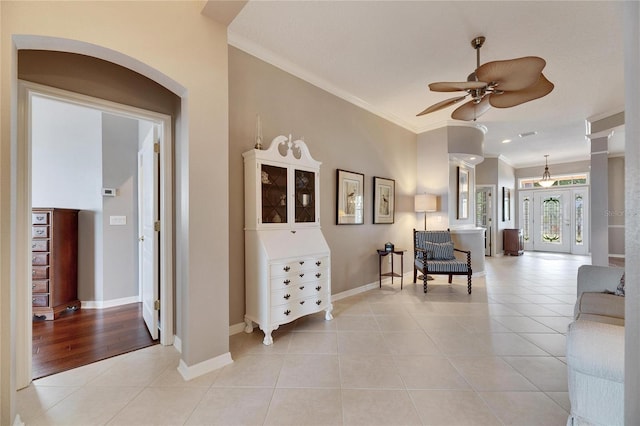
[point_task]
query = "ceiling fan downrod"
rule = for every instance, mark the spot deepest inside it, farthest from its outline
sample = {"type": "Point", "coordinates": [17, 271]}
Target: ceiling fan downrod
{"type": "Point", "coordinates": [477, 43]}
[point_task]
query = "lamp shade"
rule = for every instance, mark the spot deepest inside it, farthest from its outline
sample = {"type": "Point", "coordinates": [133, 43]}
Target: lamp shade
{"type": "Point", "coordinates": [425, 203]}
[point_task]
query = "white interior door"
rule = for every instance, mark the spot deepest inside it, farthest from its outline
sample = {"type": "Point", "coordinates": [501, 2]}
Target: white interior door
{"type": "Point", "coordinates": [148, 174]}
{"type": "Point", "coordinates": [552, 220]}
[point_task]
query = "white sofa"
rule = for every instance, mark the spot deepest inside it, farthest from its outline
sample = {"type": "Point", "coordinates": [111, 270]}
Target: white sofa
{"type": "Point", "coordinates": [595, 349]}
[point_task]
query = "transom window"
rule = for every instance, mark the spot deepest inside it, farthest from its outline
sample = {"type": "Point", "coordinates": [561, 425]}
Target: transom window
{"type": "Point", "coordinates": [561, 181]}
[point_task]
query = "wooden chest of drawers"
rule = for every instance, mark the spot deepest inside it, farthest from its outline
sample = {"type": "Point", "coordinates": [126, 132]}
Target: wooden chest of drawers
{"type": "Point", "coordinates": [513, 242]}
{"type": "Point", "coordinates": [54, 270]}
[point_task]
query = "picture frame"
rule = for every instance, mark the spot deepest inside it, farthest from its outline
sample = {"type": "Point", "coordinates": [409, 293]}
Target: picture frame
{"type": "Point", "coordinates": [506, 204]}
{"type": "Point", "coordinates": [462, 193]}
{"type": "Point", "coordinates": [384, 200]}
{"type": "Point", "coordinates": [349, 198]}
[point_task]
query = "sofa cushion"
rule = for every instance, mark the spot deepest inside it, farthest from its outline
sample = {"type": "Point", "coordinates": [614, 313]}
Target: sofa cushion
{"type": "Point", "coordinates": [593, 305]}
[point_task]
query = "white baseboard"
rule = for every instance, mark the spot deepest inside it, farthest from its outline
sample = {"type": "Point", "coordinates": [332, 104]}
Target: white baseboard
{"type": "Point", "coordinates": [204, 367]}
{"type": "Point", "coordinates": [102, 304]}
{"type": "Point", "coordinates": [177, 343]}
{"type": "Point", "coordinates": [17, 421]}
{"type": "Point", "coordinates": [236, 328]}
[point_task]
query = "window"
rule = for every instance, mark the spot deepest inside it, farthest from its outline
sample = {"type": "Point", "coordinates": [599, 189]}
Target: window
{"type": "Point", "coordinates": [561, 180]}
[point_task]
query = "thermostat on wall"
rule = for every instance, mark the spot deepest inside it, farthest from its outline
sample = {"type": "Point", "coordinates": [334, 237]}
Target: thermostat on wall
{"type": "Point", "coordinates": [108, 192]}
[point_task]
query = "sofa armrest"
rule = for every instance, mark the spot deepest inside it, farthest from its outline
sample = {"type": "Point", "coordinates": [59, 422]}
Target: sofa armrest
{"type": "Point", "coordinates": [598, 278]}
{"type": "Point", "coordinates": [596, 349]}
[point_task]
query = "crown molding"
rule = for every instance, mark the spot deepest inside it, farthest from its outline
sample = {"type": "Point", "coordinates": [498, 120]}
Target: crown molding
{"type": "Point", "coordinates": [278, 61]}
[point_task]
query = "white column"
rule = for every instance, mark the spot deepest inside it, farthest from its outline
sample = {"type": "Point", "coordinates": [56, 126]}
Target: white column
{"type": "Point", "coordinates": [632, 208]}
{"type": "Point", "coordinates": [599, 199]}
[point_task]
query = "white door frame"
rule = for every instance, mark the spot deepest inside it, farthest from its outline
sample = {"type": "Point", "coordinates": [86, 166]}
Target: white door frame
{"type": "Point", "coordinates": [22, 152]}
{"type": "Point", "coordinates": [570, 211]}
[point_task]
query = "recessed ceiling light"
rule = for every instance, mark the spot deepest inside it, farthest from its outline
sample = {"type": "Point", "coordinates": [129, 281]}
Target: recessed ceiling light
{"type": "Point", "coordinates": [472, 158]}
{"type": "Point", "coordinates": [506, 141]}
{"type": "Point", "coordinates": [525, 134]}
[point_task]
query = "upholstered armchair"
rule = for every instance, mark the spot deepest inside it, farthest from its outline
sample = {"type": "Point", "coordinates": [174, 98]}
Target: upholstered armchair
{"type": "Point", "coordinates": [434, 254]}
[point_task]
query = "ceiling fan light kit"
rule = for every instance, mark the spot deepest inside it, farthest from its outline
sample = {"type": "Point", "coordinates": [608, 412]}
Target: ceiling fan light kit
{"type": "Point", "coordinates": [499, 84]}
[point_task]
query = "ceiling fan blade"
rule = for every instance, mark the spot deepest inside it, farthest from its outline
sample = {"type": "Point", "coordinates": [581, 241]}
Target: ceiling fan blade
{"type": "Point", "coordinates": [471, 110]}
{"type": "Point", "coordinates": [512, 74]}
{"type": "Point", "coordinates": [509, 99]}
{"type": "Point", "coordinates": [441, 105]}
{"type": "Point", "coordinates": [452, 86]}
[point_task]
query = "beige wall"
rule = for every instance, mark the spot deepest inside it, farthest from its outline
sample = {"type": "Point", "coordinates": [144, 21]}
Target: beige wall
{"type": "Point", "coordinates": [174, 44]}
{"type": "Point", "coordinates": [341, 136]}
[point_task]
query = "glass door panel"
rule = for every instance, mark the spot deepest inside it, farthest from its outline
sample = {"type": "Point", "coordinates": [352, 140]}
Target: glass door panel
{"type": "Point", "coordinates": [305, 190]}
{"type": "Point", "coordinates": [274, 194]}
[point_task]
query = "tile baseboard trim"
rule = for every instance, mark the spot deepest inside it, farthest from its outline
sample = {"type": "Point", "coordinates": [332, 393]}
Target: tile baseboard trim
{"type": "Point", "coordinates": [204, 367]}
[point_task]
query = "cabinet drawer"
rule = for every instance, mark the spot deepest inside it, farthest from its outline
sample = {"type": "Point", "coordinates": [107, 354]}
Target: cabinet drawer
{"type": "Point", "coordinates": [40, 218]}
{"type": "Point", "coordinates": [40, 300]}
{"type": "Point", "coordinates": [297, 308]}
{"type": "Point", "coordinates": [40, 272]}
{"type": "Point", "coordinates": [297, 266]}
{"type": "Point", "coordinates": [298, 291]}
{"type": "Point", "coordinates": [39, 245]}
{"type": "Point", "coordinates": [40, 286]}
{"type": "Point", "coordinates": [40, 232]}
{"type": "Point", "coordinates": [40, 259]}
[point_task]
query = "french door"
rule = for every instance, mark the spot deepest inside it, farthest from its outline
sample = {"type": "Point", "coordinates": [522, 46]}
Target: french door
{"type": "Point", "coordinates": [555, 220]}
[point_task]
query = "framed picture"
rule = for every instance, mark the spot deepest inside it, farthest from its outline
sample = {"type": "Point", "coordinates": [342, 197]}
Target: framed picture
{"type": "Point", "coordinates": [384, 200]}
{"type": "Point", "coordinates": [350, 194]}
{"type": "Point", "coordinates": [506, 204]}
{"type": "Point", "coordinates": [463, 193]}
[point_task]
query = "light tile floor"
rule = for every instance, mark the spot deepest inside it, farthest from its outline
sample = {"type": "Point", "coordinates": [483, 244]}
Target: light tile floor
{"type": "Point", "coordinates": [389, 357]}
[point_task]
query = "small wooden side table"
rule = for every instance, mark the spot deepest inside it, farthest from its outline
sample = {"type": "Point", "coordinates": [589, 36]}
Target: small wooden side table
{"type": "Point", "coordinates": [392, 274]}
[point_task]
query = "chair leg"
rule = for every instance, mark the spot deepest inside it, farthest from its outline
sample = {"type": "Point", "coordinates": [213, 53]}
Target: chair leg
{"type": "Point", "coordinates": [424, 280]}
{"type": "Point", "coordinates": [469, 283]}
{"type": "Point", "coordinates": [450, 278]}
{"type": "Point", "coordinates": [415, 274]}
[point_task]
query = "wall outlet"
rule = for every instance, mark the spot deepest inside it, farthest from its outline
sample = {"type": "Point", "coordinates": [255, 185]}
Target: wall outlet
{"type": "Point", "coordinates": [117, 220]}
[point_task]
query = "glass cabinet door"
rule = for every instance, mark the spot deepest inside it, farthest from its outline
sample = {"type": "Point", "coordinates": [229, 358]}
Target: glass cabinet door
{"type": "Point", "coordinates": [274, 194]}
{"type": "Point", "coordinates": [305, 193]}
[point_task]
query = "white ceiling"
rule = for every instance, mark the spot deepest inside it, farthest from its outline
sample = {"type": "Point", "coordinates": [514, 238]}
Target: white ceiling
{"type": "Point", "coordinates": [381, 55]}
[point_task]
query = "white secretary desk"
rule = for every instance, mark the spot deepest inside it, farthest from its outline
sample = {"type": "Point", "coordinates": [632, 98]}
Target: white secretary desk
{"type": "Point", "coordinates": [287, 259]}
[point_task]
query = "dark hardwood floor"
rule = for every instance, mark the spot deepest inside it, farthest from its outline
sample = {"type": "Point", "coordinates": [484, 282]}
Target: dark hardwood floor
{"type": "Point", "coordinates": [81, 337]}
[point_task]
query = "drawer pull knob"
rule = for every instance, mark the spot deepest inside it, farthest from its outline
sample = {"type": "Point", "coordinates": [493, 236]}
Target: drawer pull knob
{"type": "Point", "coordinates": [318, 275]}
{"type": "Point", "coordinates": [318, 288]}
{"type": "Point", "coordinates": [318, 263]}
{"type": "Point", "coordinates": [301, 275]}
{"type": "Point", "coordinates": [39, 231]}
{"type": "Point", "coordinates": [287, 268]}
{"type": "Point", "coordinates": [287, 282]}
{"type": "Point", "coordinates": [33, 299]}
{"type": "Point", "coordinates": [287, 312]}
{"type": "Point", "coordinates": [33, 286]}
{"type": "Point", "coordinates": [40, 218]}
{"type": "Point", "coordinates": [287, 296]}
{"type": "Point", "coordinates": [33, 245]}
{"type": "Point", "coordinates": [34, 258]}
{"type": "Point", "coordinates": [301, 262]}
{"type": "Point", "coordinates": [302, 302]}
{"type": "Point", "coordinates": [301, 287]}
{"type": "Point", "coordinates": [318, 302]}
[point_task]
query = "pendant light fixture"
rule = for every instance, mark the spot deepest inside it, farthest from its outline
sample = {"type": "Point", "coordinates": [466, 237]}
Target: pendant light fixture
{"type": "Point", "coordinates": [546, 180]}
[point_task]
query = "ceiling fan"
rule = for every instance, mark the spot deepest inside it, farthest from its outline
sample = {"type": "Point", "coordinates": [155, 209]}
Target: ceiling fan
{"type": "Point", "coordinates": [501, 84]}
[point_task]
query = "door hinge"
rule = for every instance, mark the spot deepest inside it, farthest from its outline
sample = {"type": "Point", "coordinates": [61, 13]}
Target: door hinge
{"type": "Point", "coordinates": [156, 226]}
{"type": "Point", "coordinates": [156, 305]}
{"type": "Point", "coordinates": [156, 147]}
